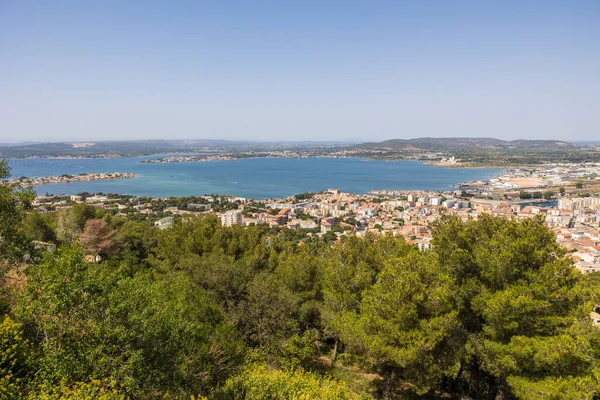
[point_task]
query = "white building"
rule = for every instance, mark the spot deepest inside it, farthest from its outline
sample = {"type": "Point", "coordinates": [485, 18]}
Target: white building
{"type": "Point", "coordinates": [233, 217]}
{"type": "Point", "coordinates": [435, 201]}
{"type": "Point", "coordinates": [164, 223]}
{"type": "Point", "coordinates": [326, 226]}
{"type": "Point", "coordinates": [308, 224]}
{"type": "Point", "coordinates": [554, 181]}
{"type": "Point", "coordinates": [95, 198]}
{"type": "Point", "coordinates": [449, 203]}
{"type": "Point", "coordinates": [195, 206]}
{"type": "Point", "coordinates": [424, 244]}
{"type": "Point", "coordinates": [577, 203]}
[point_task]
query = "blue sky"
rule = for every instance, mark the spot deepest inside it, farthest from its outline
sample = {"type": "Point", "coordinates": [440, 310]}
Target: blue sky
{"type": "Point", "coordinates": [289, 70]}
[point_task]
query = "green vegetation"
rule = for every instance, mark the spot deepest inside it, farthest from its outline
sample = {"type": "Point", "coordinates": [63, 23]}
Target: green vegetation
{"type": "Point", "coordinates": [595, 279]}
{"type": "Point", "coordinates": [260, 382]}
{"type": "Point", "coordinates": [105, 307]}
{"type": "Point", "coordinates": [305, 196]}
{"type": "Point", "coordinates": [524, 195]}
{"type": "Point", "coordinates": [549, 194]}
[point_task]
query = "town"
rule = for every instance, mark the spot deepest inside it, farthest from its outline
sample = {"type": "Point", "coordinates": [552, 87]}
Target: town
{"type": "Point", "coordinates": [566, 195]}
{"type": "Point", "coordinates": [297, 153]}
{"type": "Point", "coordinates": [66, 178]}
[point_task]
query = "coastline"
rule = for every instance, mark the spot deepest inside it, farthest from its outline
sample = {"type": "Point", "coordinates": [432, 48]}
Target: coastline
{"type": "Point", "coordinates": [186, 157]}
{"type": "Point", "coordinates": [230, 157]}
{"type": "Point", "coordinates": [66, 178]}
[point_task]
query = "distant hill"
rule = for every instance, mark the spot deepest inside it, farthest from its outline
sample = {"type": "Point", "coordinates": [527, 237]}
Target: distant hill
{"type": "Point", "coordinates": [91, 148]}
{"type": "Point", "coordinates": [441, 144]}
{"type": "Point", "coordinates": [146, 147]}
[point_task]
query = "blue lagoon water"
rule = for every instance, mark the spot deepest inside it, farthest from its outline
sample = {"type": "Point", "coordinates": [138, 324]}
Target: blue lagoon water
{"type": "Point", "coordinates": [256, 178]}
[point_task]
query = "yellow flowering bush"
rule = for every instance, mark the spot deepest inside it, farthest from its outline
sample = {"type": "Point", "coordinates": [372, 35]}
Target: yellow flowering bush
{"type": "Point", "coordinates": [93, 390]}
{"type": "Point", "coordinates": [12, 347]}
{"type": "Point", "coordinates": [258, 382]}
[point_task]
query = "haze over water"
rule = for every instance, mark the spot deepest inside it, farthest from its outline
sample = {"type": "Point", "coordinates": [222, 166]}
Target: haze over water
{"type": "Point", "coordinates": [257, 178]}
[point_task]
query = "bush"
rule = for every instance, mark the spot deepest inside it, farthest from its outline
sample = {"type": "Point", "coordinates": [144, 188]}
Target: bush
{"type": "Point", "coordinates": [258, 382]}
{"type": "Point", "coordinates": [346, 359]}
{"type": "Point", "coordinates": [525, 195]}
{"type": "Point", "coordinates": [93, 390]}
{"type": "Point", "coordinates": [12, 349]}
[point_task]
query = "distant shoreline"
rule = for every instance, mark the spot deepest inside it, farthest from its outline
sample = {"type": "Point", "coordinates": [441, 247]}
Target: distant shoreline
{"type": "Point", "coordinates": [231, 157]}
{"type": "Point", "coordinates": [157, 157]}
{"type": "Point", "coordinates": [66, 178]}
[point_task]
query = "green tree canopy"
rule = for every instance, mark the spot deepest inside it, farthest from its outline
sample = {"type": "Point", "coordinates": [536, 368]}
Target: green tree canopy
{"type": "Point", "coordinates": [144, 332]}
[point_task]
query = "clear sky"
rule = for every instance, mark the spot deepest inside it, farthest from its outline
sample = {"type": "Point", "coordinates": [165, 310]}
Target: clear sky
{"type": "Point", "coordinates": [289, 70]}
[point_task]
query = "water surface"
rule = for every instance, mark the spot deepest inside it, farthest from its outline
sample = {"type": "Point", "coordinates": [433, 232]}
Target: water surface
{"type": "Point", "coordinates": [257, 178]}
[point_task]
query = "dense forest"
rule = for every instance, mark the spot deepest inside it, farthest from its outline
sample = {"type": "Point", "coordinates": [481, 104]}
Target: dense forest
{"type": "Point", "coordinates": [97, 306]}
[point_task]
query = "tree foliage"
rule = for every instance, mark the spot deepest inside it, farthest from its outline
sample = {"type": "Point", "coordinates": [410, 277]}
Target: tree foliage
{"type": "Point", "coordinates": [14, 202]}
{"type": "Point", "coordinates": [145, 332]}
{"type": "Point", "coordinates": [96, 237]}
{"type": "Point", "coordinates": [494, 310]}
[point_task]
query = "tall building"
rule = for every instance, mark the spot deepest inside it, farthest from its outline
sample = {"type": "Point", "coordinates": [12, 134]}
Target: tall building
{"type": "Point", "coordinates": [232, 217]}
